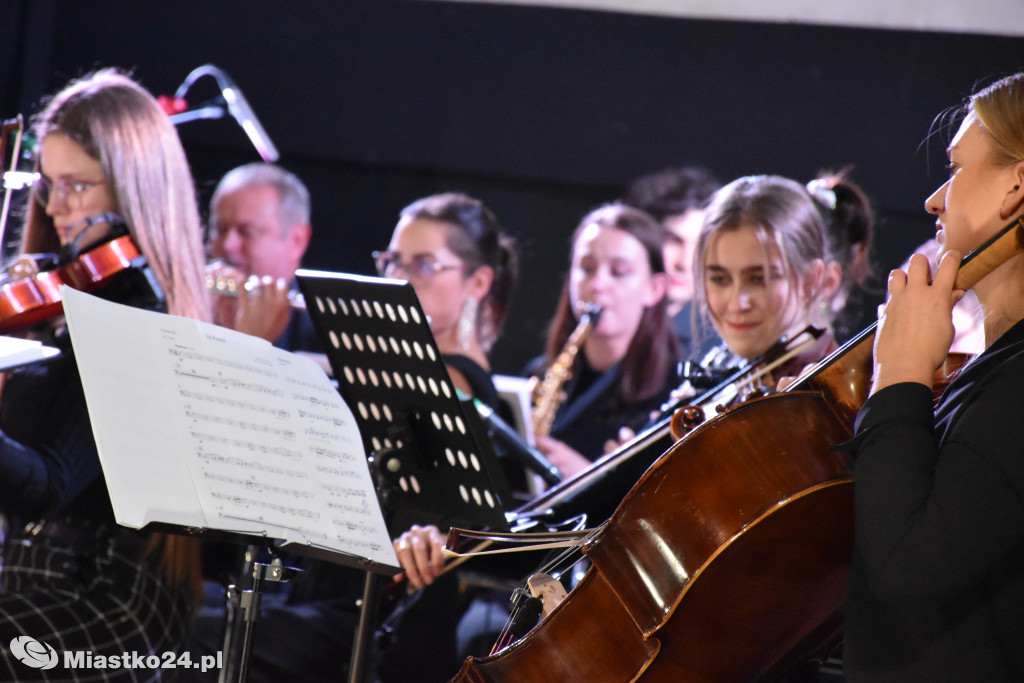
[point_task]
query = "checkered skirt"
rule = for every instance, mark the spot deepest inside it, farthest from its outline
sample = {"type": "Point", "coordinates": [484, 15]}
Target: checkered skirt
{"type": "Point", "coordinates": [106, 603]}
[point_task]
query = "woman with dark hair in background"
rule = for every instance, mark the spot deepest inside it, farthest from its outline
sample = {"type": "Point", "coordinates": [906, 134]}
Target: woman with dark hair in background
{"type": "Point", "coordinates": [627, 364]}
{"type": "Point", "coordinates": [676, 197]}
{"type": "Point", "coordinates": [463, 268]}
{"type": "Point", "coordinates": [110, 164]}
{"type": "Point", "coordinates": [849, 231]}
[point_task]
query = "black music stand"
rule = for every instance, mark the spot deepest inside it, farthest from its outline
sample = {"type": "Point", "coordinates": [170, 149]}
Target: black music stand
{"type": "Point", "coordinates": [429, 464]}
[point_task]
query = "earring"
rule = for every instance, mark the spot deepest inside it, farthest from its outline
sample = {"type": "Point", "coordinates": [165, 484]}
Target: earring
{"type": "Point", "coordinates": [467, 323]}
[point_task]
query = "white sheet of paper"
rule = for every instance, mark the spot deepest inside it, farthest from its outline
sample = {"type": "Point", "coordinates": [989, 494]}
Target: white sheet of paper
{"type": "Point", "coordinates": [201, 426]}
{"type": "Point", "coordinates": [15, 352]}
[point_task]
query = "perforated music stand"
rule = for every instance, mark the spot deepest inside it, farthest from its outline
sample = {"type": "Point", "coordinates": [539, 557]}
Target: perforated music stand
{"type": "Point", "coordinates": [391, 374]}
{"type": "Point", "coordinates": [429, 465]}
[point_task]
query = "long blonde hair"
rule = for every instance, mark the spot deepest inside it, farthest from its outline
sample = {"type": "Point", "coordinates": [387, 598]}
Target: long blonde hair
{"type": "Point", "coordinates": [118, 123]}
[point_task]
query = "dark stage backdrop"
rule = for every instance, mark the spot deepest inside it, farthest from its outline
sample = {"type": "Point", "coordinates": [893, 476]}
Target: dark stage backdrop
{"type": "Point", "coordinates": [542, 113]}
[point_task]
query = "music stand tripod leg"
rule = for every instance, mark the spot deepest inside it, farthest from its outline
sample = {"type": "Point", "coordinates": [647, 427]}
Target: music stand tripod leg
{"type": "Point", "coordinates": [361, 643]}
{"type": "Point", "coordinates": [245, 604]}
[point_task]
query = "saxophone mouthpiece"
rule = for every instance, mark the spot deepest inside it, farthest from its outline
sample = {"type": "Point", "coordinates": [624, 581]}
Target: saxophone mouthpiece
{"type": "Point", "coordinates": [589, 312]}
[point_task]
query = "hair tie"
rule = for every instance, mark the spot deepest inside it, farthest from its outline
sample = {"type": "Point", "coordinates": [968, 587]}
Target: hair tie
{"type": "Point", "coordinates": [819, 189]}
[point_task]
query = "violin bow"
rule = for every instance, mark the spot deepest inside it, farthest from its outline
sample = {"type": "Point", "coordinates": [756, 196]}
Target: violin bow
{"type": "Point", "coordinates": [9, 125]}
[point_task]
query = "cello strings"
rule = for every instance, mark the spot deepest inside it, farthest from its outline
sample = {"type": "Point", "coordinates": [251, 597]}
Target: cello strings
{"type": "Point", "coordinates": [563, 561]}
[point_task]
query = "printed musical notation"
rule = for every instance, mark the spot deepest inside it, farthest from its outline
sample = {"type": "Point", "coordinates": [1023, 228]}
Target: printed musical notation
{"type": "Point", "coordinates": [269, 411]}
{"type": "Point", "coordinates": [244, 437]}
{"type": "Point", "coordinates": [258, 431]}
{"type": "Point", "coordinates": [251, 502]}
{"type": "Point", "coordinates": [218, 362]}
{"type": "Point", "coordinates": [246, 446]}
{"type": "Point", "coordinates": [231, 460]}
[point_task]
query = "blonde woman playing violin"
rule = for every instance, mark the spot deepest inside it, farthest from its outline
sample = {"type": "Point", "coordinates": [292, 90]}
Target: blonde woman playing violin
{"type": "Point", "coordinates": [71, 576]}
{"type": "Point", "coordinates": [936, 588]}
{"type": "Point", "coordinates": [765, 272]}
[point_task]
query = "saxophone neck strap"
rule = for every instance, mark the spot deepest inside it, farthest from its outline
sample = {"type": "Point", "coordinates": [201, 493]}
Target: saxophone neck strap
{"type": "Point", "coordinates": [585, 400]}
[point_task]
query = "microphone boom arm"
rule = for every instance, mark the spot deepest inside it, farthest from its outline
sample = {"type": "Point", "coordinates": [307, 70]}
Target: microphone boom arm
{"type": "Point", "coordinates": [236, 104]}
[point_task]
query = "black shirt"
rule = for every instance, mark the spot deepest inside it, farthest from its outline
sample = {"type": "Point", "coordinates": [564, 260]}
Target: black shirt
{"type": "Point", "coordinates": [936, 590]}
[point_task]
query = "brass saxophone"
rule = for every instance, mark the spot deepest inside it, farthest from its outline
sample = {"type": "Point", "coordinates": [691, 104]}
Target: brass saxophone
{"type": "Point", "coordinates": [548, 393]}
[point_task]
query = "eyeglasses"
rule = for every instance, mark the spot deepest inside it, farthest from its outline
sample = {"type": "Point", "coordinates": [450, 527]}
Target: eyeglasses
{"type": "Point", "coordinates": [67, 190]}
{"type": "Point", "coordinates": [422, 266]}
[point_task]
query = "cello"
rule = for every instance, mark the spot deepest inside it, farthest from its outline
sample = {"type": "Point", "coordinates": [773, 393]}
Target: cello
{"type": "Point", "coordinates": [728, 560]}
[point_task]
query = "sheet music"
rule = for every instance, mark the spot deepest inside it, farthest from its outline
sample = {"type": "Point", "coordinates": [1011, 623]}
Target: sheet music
{"type": "Point", "coordinates": [515, 391]}
{"type": "Point", "coordinates": [201, 426]}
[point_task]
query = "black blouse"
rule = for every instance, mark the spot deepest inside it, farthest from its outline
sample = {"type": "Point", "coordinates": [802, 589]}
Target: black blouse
{"type": "Point", "coordinates": [936, 590]}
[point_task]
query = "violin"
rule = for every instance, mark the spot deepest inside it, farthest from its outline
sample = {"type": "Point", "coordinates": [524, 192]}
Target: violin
{"type": "Point", "coordinates": [33, 300]}
{"type": "Point", "coordinates": [948, 371]}
{"type": "Point", "coordinates": [728, 560]}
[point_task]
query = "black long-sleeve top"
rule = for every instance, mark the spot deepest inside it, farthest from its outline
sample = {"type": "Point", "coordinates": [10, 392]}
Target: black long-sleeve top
{"type": "Point", "coordinates": [49, 464]}
{"type": "Point", "coordinates": [593, 411]}
{"type": "Point", "coordinates": [936, 590]}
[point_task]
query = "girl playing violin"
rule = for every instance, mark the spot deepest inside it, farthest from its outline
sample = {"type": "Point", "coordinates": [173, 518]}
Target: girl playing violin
{"type": "Point", "coordinates": [936, 591]}
{"type": "Point", "coordinates": [71, 577]}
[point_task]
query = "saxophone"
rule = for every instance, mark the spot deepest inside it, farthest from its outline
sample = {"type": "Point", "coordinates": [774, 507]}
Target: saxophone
{"type": "Point", "coordinates": [548, 393]}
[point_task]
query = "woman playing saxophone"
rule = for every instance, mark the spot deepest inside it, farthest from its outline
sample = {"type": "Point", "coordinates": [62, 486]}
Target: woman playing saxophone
{"type": "Point", "coordinates": [627, 364]}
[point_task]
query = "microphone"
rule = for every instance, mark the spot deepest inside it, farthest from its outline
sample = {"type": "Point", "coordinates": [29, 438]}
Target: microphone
{"type": "Point", "coordinates": [526, 618]}
{"type": "Point", "coordinates": [516, 446]}
{"type": "Point", "coordinates": [237, 106]}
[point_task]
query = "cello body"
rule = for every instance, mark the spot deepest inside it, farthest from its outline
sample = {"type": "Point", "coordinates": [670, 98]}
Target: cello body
{"type": "Point", "coordinates": [751, 549]}
{"type": "Point", "coordinates": [729, 557]}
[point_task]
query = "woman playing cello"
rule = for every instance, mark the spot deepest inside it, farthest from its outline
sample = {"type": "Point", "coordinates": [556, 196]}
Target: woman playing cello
{"type": "Point", "coordinates": [765, 271]}
{"type": "Point", "coordinates": [937, 585]}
